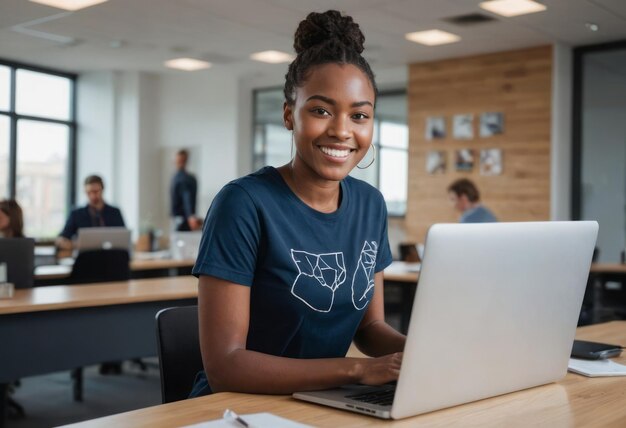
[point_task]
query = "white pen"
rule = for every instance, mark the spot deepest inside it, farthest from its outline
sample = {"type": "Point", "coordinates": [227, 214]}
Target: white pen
{"type": "Point", "coordinates": [229, 415]}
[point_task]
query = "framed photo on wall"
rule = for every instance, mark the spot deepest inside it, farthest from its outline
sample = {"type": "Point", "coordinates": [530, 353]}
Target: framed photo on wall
{"type": "Point", "coordinates": [436, 162]}
{"type": "Point", "coordinates": [491, 123]}
{"type": "Point", "coordinates": [491, 162]}
{"type": "Point", "coordinates": [464, 160]}
{"type": "Point", "coordinates": [463, 126]}
{"type": "Point", "coordinates": [435, 128]}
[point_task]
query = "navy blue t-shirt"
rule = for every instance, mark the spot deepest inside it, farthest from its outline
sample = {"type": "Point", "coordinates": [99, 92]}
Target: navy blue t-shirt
{"type": "Point", "coordinates": [311, 274]}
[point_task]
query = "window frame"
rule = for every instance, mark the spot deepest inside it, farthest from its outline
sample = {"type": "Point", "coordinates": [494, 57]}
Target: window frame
{"type": "Point", "coordinates": [14, 117]}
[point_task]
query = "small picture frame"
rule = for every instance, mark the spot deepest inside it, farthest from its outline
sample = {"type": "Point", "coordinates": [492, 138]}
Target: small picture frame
{"type": "Point", "coordinates": [491, 162]}
{"type": "Point", "coordinates": [491, 123]}
{"type": "Point", "coordinates": [464, 160]}
{"type": "Point", "coordinates": [463, 126]}
{"type": "Point", "coordinates": [435, 128]}
{"type": "Point", "coordinates": [436, 162]}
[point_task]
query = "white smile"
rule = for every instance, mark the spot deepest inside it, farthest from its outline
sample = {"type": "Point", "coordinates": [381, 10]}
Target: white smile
{"type": "Point", "coordinates": [336, 153]}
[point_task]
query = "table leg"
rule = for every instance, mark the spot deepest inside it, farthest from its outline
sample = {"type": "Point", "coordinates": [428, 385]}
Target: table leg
{"type": "Point", "coordinates": [4, 395]}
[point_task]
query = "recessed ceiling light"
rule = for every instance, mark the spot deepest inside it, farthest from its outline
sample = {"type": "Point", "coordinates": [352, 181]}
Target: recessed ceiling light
{"type": "Point", "coordinates": [272, 57]}
{"type": "Point", "coordinates": [510, 8]}
{"type": "Point", "coordinates": [592, 27]}
{"type": "Point", "coordinates": [69, 4]}
{"type": "Point", "coordinates": [432, 37]}
{"type": "Point", "coordinates": [187, 64]}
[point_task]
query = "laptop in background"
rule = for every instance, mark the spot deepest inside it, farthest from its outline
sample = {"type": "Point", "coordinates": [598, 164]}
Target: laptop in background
{"type": "Point", "coordinates": [495, 311]}
{"type": "Point", "coordinates": [185, 245]}
{"type": "Point", "coordinates": [103, 238]}
{"type": "Point", "coordinates": [19, 256]}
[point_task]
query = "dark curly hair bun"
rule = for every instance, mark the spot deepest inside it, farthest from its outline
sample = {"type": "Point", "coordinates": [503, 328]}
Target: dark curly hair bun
{"type": "Point", "coordinates": [320, 28]}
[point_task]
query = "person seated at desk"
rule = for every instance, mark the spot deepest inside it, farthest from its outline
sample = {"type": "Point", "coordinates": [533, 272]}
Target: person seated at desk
{"type": "Point", "coordinates": [95, 214]}
{"type": "Point", "coordinates": [11, 219]}
{"type": "Point", "coordinates": [291, 261]}
{"type": "Point", "coordinates": [465, 197]}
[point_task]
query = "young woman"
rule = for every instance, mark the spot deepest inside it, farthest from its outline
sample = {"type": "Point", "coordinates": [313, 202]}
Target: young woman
{"type": "Point", "coordinates": [291, 259]}
{"type": "Point", "coordinates": [11, 219]}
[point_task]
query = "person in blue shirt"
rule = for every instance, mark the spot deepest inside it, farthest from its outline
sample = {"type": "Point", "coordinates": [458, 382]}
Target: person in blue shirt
{"type": "Point", "coordinates": [183, 196]}
{"type": "Point", "coordinates": [291, 260]}
{"type": "Point", "coordinates": [465, 197]}
{"type": "Point", "coordinates": [95, 214]}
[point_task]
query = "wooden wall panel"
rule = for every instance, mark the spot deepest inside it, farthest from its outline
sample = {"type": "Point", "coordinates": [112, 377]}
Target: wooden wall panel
{"type": "Point", "coordinates": [516, 83]}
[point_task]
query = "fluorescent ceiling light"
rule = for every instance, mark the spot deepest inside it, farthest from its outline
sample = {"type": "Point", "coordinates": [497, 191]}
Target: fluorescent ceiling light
{"type": "Point", "coordinates": [432, 37]}
{"type": "Point", "coordinates": [187, 64]}
{"type": "Point", "coordinates": [69, 4]}
{"type": "Point", "coordinates": [510, 8]}
{"type": "Point", "coordinates": [273, 57]}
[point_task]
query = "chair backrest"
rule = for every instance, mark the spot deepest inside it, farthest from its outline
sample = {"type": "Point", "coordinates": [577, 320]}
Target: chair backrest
{"type": "Point", "coordinates": [179, 351]}
{"type": "Point", "coordinates": [100, 266]}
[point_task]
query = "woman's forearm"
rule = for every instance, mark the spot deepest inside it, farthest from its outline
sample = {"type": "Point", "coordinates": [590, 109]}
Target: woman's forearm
{"type": "Point", "coordinates": [254, 372]}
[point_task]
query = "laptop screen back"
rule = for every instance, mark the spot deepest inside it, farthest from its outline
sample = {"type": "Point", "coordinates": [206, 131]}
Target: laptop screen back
{"type": "Point", "coordinates": [495, 311]}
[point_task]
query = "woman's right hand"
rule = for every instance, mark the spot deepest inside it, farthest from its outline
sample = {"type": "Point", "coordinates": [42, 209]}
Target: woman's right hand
{"type": "Point", "coordinates": [381, 370]}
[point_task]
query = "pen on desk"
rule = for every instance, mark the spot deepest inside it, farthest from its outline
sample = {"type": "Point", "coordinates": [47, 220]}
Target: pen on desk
{"type": "Point", "coordinates": [234, 417]}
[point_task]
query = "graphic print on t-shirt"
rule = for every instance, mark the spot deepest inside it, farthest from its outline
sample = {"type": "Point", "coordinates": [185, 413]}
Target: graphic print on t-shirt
{"type": "Point", "coordinates": [363, 279]}
{"type": "Point", "coordinates": [319, 275]}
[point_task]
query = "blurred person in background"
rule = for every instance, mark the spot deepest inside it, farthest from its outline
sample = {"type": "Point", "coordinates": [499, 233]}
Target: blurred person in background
{"type": "Point", "coordinates": [11, 219]}
{"type": "Point", "coordinates": [465, 197]}
{"type": "Point", "coordinates": [96, 213]}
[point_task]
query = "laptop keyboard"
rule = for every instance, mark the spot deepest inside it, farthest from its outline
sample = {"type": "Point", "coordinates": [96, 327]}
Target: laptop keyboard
{"type": "Point", "coordinates": [381, 398]}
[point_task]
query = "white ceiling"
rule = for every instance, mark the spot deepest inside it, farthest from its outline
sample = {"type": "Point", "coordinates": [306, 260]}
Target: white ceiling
{"type": "Point", "coordinates": [142, 34]}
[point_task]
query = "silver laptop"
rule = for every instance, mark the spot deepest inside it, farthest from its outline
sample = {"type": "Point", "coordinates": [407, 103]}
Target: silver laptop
{"type": "Point", "coordinates": [185, 245]}
{"type": "Point", "coordinates": [495, 311]}
{"type": "Point", "coordinates": [18, 254]}
{"type": "Point", "coordinates": [103, 238]}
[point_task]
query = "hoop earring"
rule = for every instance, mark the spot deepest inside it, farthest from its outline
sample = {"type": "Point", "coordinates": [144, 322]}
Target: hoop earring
{"type": "Point", "coordinates": [373, 158]}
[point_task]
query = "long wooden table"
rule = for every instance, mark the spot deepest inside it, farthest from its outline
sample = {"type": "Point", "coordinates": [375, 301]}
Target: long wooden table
{"type": "Point", "coordinates": [61, 272]}
{"type": "Point", "coordinates": [47, 329]}
{"type": "Point", "coordinates": [574, 401]}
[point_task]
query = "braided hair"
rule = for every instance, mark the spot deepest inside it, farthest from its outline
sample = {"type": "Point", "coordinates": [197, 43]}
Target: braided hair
{"type": "Point", "coordinates": [324, 38]}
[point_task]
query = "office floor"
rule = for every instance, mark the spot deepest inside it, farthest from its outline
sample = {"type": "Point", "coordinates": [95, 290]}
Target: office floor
{"type": "Point", "coordinates": [48, 402]}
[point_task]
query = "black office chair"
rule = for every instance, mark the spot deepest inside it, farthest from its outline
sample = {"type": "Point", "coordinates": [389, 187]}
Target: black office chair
{"type": "Point", "coordinates": [100, 266]}
{"type": "Point", "coordinates": [588, 308]}
{"type": "Point", "coordinates": [179, 351]}
{"type": "Point", "coordinates": [93, 266]}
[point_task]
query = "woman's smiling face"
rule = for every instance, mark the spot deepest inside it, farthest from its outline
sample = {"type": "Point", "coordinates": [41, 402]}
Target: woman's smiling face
{"type": "Point", "coordinates": [332, 119]}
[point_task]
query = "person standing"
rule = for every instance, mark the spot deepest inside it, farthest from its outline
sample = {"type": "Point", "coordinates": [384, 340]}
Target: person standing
{"type": "Point", "coordinates": [183, 196]}
{"type": "Point", "coordinates": [465, 197]}
{"type": "Point", "coordinates": [96, 213]}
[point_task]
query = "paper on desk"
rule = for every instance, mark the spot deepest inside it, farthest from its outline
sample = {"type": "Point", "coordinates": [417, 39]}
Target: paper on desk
{"type": "Point", "coordinates": [596, 368]}
{"type": "Point", "coordinates": [256, 420]}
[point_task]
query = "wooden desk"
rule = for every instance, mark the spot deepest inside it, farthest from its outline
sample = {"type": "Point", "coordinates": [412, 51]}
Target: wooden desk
{"type": "Point", "coordinates": [48, 329]}
{"type": "Point", "coordinates": [137, 267]}
{"type": "Point", "coordinates": [573, 401]}
{"type": "Point", "coordinates": [611, 268]}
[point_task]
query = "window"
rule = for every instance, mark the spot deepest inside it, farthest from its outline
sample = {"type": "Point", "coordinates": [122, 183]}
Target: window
{"type": "Point", "coordinates": [37, 139]}
{"type": "Point", "coordinates": [389, 173]}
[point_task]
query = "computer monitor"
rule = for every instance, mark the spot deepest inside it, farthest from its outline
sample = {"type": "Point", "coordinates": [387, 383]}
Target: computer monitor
{"type": "Point", "coordinates": [19, 256]}
{"type": "Point", "coordinates": [185, 245]}
{"type": "Point", "coordinates": [103, 238]}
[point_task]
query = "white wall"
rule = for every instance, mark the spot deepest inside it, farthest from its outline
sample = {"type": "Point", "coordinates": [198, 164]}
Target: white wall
{"type": "Point", "coordinates": [561, 141]}
{"type": "Point", "coordinates": [128, 122]}
{"type": "Point", "coordinates": [95, 117]}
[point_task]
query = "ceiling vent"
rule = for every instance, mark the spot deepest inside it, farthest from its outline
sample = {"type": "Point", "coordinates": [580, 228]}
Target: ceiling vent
{"type": "Point", "coordinates": [469, 19]}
